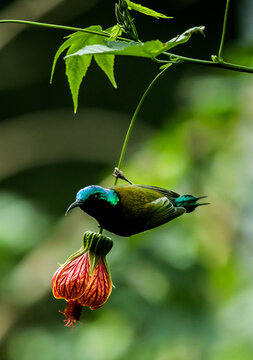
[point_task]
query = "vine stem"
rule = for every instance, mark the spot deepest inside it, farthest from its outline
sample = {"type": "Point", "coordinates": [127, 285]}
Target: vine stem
{"type": "Point", "coordinates": [131, 125]}
{"type": "Point", "coordinates": [174, 59]}
{"type": "Point", "coordinates": [61, 27]}
{"type": "Point", "coordinates": [220, 54]}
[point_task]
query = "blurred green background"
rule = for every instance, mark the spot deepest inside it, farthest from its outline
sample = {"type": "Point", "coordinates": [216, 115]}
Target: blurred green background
{"type": "Point", "coordinates": [183, 291]}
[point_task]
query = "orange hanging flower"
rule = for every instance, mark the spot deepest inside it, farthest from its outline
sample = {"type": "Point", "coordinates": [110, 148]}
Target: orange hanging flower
{"type": "Point", "coordinates": [98, 288]}
{"type": "Point", "coordinates": [84, 279]}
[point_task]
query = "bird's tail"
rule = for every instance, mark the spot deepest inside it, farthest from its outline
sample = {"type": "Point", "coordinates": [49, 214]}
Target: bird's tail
{"type": "Point", "coordinates": [189, 202]}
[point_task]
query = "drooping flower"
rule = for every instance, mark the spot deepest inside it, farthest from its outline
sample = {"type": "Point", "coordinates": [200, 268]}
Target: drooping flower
{"type": "Point", "coordinates": [84, 279]}
{"type": "Point", "coordinates": [98, 288]}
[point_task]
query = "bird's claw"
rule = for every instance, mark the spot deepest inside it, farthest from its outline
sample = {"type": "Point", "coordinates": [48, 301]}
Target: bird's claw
{"type": "Point", "coordinates": [119, 175]}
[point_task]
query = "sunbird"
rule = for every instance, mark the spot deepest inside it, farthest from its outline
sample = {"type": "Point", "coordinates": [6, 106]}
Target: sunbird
{"type": "Point", "coordinates": [126, 210]}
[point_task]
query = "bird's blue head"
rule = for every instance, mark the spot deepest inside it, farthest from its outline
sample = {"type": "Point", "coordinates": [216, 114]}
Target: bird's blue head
{"type": "Point", "coordinates": [94, 193]}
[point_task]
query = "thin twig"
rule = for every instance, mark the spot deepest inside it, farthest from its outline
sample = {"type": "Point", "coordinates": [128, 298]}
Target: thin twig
{"type": "Point", "coordinates": [220, 54]}
{"type": "Point", "coordinates": [130, 128]}
{"type": "Point", "coordinates": [222, 65]}
{"type": "Point", "coordinates": [61, 27]}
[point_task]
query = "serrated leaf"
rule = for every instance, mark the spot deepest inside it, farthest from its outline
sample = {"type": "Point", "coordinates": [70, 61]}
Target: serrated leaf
{"type": "Point", "coordinates": [70, 41]}
{"type": "Point", "coordinates": [76, 68]}
{"type": "Point", "coordinates": [63, 47]}
{"type": "Point", "coordinates": [106, 63]}
{"type": "Point", "coordinates": [144, 10]}
{"type": "Point", "coordinates": [149, 49]}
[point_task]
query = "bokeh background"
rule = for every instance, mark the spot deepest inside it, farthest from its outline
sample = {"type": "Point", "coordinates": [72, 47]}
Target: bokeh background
{"type": "Point", "coordinates": [183, 291]}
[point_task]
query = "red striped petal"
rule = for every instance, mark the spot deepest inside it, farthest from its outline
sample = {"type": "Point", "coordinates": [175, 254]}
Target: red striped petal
{"type": "Point", "coordinates": [55, 293]}
{"type": "Point", "coordinates": [70, 280]}
{"type": "Point", "coordinates": [98, 289]}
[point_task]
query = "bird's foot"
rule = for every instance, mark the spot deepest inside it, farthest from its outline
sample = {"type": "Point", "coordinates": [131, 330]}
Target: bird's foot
{"type": "Point", "coordinates": [119, 175]}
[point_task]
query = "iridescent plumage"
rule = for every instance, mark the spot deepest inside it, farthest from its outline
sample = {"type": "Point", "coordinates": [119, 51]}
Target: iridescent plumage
{"type": "Point", "coordinates": [129, 209]}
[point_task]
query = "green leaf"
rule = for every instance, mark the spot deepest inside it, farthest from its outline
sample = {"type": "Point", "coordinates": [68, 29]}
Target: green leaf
{"type": "Point", "coordinates": [106, 63]}
{"type": "Point", "coordinates": [63, 47]}
{"type": "Point", "coordinates": [149, 49]}
{"type": "Point", "coordinates": [180, 39]}
{"type": "Point", "coordinates": [114, 32]}
{"type": "Point", "coordinates": [144, 10]}
{"type": "Point", "coordinates": [82, 46]}
{"type": "Point", "coordinates": [76, 67]}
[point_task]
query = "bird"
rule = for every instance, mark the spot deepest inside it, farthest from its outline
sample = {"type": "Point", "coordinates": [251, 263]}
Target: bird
{"type": "Point", "coordinates": [126, 210]}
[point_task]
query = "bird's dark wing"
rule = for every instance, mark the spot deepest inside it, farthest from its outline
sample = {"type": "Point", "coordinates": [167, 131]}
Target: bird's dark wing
{"type": "Point", "coordinates": [161, 211]}
{"type": "Point", "coordinates": [168, 193]}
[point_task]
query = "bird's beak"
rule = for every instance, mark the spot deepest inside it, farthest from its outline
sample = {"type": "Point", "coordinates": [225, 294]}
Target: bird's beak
{"type": "Point", "coordinates": [74, 204]}
{"type": "Point", "coordinates": [202, 197]}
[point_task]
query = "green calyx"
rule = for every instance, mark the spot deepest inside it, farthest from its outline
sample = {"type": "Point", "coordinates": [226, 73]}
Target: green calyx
{"type": "Point", "coordinates": [97, 243]}
{"type": "Point", "coordinates": [97, 246]}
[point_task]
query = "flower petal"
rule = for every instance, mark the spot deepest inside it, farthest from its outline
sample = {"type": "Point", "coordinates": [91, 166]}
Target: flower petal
{"type": "Point", "coordinates": [70, 280]}
{"type": "Point", "coordinates": [98, 289]}
{"type": "Point", "coordinates": [55, 293]}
